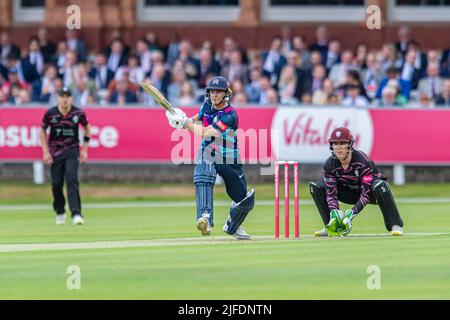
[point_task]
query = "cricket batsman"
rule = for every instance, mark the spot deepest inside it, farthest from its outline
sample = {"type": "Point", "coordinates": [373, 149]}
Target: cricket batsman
{"type": "Point", "coordinates": [351, 177]}
{"type": "Point", "coordinates": [218, 154]}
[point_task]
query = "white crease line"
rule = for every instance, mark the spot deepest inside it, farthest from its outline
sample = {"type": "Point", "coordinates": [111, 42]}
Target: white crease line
{"type": "Point", "coordinates": [8, 248]}
{"type": "Point", "coordinates": [177, 204]}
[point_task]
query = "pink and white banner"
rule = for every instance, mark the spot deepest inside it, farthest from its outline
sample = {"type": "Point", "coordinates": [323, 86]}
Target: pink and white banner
{"type": "Point", "coordinates": [389, 136]}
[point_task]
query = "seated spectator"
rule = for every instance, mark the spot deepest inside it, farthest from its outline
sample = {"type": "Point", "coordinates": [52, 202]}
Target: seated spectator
{"type": "Point", "coordinates": [372, 75]}
{"type": "Point", "coordinates": [409, 72]}
{"type": "Point", "coordinates": [273, 61]}
{"type": "Point", "coordinates": [303, 77]}
{"type": "Point", "coordinates": [152, 41]}
{"type": "Point", "coordinates": [59, 58]}
{"type": "Point", "coordinates": [100, 72]}
{"type": "Point", "coordinates": [191, 63]}
{"type": "Point", "coordinates": [117, 57]}
{"type": "Point", "coordinates": [235, 69]}
{"type": "Point", "coordinates": [69, 70]}
{"type": "Point", "coordinates": [74, 43]}
{"type": "Point", "coordinates": [253, 89]}
{"type": "Point", "coordinates": [13, 82]}
{"type": "Point", "coordinates": [83, 89]}
{"type": "Point", "coordinates": [237, 86]}
{"type": "Point", "coordinates": [287, 85]}
{"type": "Point", "coordinates": [265, 87]}
{"type": "Point", "coordinates": [425, 101]}
{"type": "Point", "coordinates": [403, 86]}
{"type": "Point", "coordinates": [432, 84]}
{"type": "Point", "coordinates": [389, 57]}
{"type": "Point", "coordinates": [322, 42]}
{"type": "Point", "coordinates": [48, 84]}
{"type": "Point", "coordinates": [135, 73]}
{"type": "Point", "coordinates": [54, 94]}
{"type": "Point", "coordinates": [443, 100]}
{"type": "Point", "coordinates": [171, 52]}
{"type": "Point", "coordinates": [445, 63]}
{"type": "Point", "coordinates": [352, 78]}
{"type": "Point", "coordinates": [333, 56]}
{"type": "Point", "coordinates": [338, 72]}
{"type": "Point", "coordinates": [272, 97]}
{"type": "Point", "coordinates": [7, 47]}
{"type": "Point", "coordinates": [299, 46]}
{"type": "Point", "coordinates": [160, 78]}
{"type": "Point", "coordinates": [48, 48]}
{"type": "Point", "coordinates": [187, 94]}
{"type": "Point", "coordinates": [318, 76]}
{"type": "Point", "coordinates": [392, 96]}
{"type": "Point", "coordinates": [354, 97]}
{"type": "Point", "coordinates": [421, 58]}
{"type": "Point", "coordinates": [239, 99]}
{"type": "Point", "coordinates": [361, 53]}
{"type": "Point", "coordinates": [19, 97]}
{"type": "Point", "coordinates": [122, 94]}
{"type": "Point", "coordinates": [326, 95]}
{"type": "Point", "coordinates": [144, 54]}
{"type": "Point", "coordinates": [208, 66]}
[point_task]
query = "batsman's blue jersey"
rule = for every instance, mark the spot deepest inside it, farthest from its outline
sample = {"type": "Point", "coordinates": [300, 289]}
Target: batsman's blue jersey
{"type": "Point", "coordinates": [225, 121]}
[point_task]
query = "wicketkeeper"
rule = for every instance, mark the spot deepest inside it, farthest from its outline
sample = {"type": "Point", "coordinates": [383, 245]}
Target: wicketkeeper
{"type": "Point", "coordinates": [350, 176]}
{"type": "Point", "coordinates": [218, 155]}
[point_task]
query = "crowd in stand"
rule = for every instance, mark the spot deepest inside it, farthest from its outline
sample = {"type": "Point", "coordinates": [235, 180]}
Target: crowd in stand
{"type": "Point", "coordinates": [291, 71]}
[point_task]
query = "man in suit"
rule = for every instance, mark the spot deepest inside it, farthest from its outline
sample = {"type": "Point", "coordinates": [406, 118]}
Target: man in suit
{"type": "Point", "coordinates": [322, 42]}
{"type": "Point", "coordinates": [404, 37]}
{"type": "Point", "coordinates": [117, 56]}
{"type": "Point", "coordinates": [409, 72]}
{"type": "Point", "coordinates": [7, 48]}
{"type": "Point", "coordinates": [273, 61]}
{"type": "Point", "coordinates": [445, 63]}
{"type": "Point", "coordinates": [77, 45]}
{"type": "Point", "coordinates": [432, 84]}
{"type": "Point", "coordinates": [100, 72]}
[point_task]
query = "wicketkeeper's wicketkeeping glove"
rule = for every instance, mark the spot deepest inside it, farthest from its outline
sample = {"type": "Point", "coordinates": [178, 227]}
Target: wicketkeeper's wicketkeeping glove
{"type": "Point", "coordinates": [347, 222]}
{"type": "Point", "coordinates": [334, 227]}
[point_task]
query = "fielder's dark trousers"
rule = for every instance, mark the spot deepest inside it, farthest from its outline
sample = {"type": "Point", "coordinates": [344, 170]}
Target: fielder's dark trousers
{"type": "Point", "coordinates": [65, 167]}
{"type": "Point", "coordinates": [381, 196]}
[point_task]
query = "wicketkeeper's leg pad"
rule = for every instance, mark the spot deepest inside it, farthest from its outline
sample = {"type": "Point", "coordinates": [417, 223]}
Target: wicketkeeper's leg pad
{"type": "Point", "coordinates": [319, 195]}
{"type": "Point", "coordinates": [239, 211]}
{"type": "Point", "coordinates": [204, 179]}
{"type": "Point", "coordinates": [385, 199]}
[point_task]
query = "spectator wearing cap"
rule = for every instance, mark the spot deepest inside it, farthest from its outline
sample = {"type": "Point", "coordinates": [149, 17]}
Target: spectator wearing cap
{"type": "Point", "coordinates": [354, 98]}
{"type": "Point", "coordinates": [393, 75]}
{"type": "Point", "coordinates": [443, 100]}
{"type": "Point", "coordinates": [432, 84]}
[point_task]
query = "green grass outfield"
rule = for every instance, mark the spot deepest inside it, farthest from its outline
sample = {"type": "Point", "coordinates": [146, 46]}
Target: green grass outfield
{"type": "Point", "coordinates": [136, 246]}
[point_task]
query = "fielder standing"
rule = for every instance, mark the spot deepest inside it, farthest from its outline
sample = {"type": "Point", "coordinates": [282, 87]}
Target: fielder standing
{"type": "Point", "coordinates": [62, 153]}
{"type": "Point", "coordinates": [351, 177]}
{"type": "Point", "coordinates": [218, 155]}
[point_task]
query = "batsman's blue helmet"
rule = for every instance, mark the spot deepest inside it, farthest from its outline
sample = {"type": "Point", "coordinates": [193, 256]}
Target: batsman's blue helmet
{"type": "Point", "coordinates": [219, 83]}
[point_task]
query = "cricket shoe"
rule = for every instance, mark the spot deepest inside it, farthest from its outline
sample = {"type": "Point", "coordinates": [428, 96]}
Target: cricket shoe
{"type": "Point", "coordinates": [396, 230]}
{"type": "Point", "coordinates": [77, 220]}
{"type": "Point", "coordinates": [204, 226]}
{"type": "Point", "coordinates": [321, 233]}
{"type": "Point", "coordinates": [61, 219]}
{"type": "Point", "coordinates": [240, 234]}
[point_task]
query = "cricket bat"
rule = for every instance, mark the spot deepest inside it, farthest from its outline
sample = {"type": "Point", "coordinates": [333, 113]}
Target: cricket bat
{"type": "Point", "coordinates": [158, 96]}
